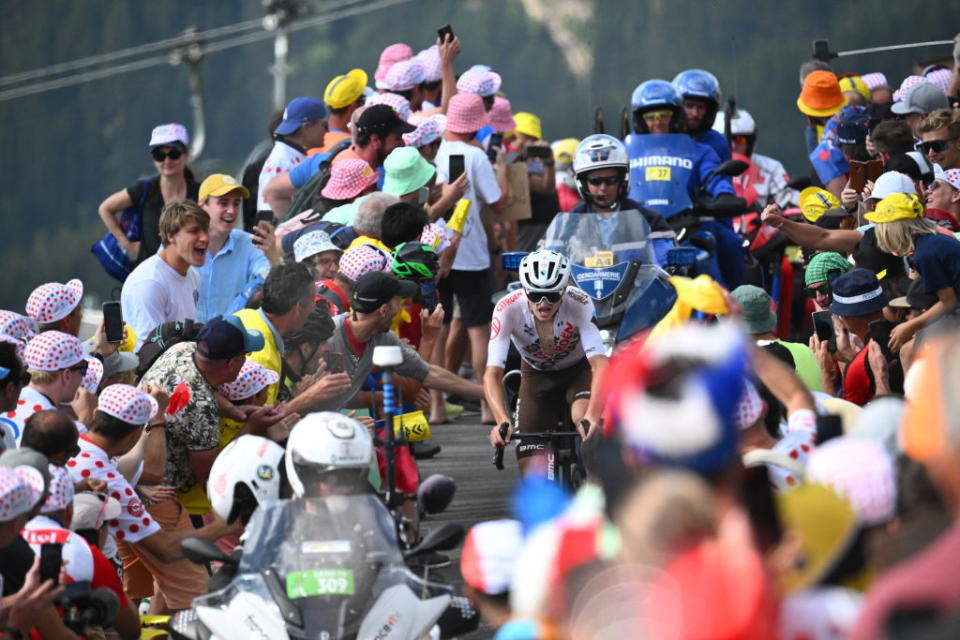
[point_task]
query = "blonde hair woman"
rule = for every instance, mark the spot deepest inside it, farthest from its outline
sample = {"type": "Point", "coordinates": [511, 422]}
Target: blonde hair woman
{"type": "Point", "coordinates": [902, 230]}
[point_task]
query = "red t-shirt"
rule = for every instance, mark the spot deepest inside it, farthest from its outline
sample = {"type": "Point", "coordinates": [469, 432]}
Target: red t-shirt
{"type": "Point", "coordinates": [858, 387]}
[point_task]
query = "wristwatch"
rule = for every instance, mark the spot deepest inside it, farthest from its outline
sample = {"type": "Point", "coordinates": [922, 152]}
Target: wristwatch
{"type": "Point", "coordinates": [155, 425]}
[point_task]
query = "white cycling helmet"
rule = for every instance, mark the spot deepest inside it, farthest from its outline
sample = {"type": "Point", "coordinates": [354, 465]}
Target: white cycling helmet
{"type": "Point", "coordinates": [323, 444]}
{"type": "Point", "coordinates": [544, 271]}
{"type": "Point", "coordinates": [245, 473]}
{"type": "Point", "coordinates": [742, 123]}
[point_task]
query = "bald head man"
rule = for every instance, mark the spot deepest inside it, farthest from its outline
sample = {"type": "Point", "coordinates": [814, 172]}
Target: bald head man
{"type": "Point", "coordinates": [53, 434]}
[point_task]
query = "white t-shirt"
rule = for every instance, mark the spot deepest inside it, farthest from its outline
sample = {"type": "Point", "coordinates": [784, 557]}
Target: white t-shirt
{"type": "Point", "coordinates": [30, 402]}
{"type": "Point", "coordinates": [282, 158]}
{"type": "Point", "coordinates": [575, 334]}
{"type": "Point", "coordinates": [473, 254]}
{"type": "Point", "coordinates": [155, 293]}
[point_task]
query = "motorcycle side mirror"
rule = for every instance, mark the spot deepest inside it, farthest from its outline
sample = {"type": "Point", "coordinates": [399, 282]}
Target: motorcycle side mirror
{"type": "Point", "coordinates": [201, 551]}
{"type": "Point", "coordinates": [444, 538]}
{"type": "Point", "coordinates": [731, 168]}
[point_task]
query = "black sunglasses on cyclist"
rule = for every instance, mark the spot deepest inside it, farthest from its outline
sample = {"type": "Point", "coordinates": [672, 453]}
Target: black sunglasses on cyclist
{"type": "Point", "coordinates": [537, 297]}
{"type": "Point", "coordinates": [609, 181]}
{"type": "Point", "coordinates": [936, 146]}
{"type": "Point", "coordinates": [159, 155]}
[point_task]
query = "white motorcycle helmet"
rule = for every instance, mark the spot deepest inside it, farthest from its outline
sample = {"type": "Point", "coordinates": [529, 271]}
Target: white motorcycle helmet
{"type": "Point", "coordinates": [742, 123]}
{"type": "Point", "coordinates": [598, 151]}
{"type": "Point", "coordinates": [246, 473]}
{"type": "Point", "coordinates": [544, 271]}
{"type": "Point", "coordinates": [327, 447]}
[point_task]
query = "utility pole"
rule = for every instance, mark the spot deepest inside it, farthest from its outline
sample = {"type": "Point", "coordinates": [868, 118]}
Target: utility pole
{"type": "Point", "coordinates": [191, 51]}
{"type": "Point", "coordinates": [280, 13]}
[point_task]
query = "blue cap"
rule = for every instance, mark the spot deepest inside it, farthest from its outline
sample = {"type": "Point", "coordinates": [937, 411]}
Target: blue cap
{"type": "Point", "coordinates": [225, 337]}
{"type": "Point", "coordinates": [852, 125]}
{"type": "Point", "coordinates": [298, 111]}
{"type": "Point", "coordinates": [857, 293]}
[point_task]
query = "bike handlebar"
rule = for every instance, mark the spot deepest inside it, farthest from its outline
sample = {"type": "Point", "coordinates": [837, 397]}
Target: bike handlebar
{"type": "Point", "coordinates": [498, 451]}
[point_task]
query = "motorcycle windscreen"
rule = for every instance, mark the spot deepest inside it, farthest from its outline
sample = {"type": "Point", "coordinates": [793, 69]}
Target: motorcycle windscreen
{"type": "Point", "coordinates": [329, 553]}
{"type": "Point", "coordinates": [600, 240]}
{"type": "Point", "coordinates": [651, 298]}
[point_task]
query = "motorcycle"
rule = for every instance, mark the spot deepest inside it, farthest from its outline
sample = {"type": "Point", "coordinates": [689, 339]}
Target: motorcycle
{"type": "Point", "coordinates": [319, 569]}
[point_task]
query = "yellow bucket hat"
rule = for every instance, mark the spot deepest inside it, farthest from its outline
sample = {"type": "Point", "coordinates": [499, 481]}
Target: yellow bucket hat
{"type": "Point", "coordinates": [528, 124]}
{"type": "Point", "coordinates": [896, 206]}
{"type": "Point", "coordinates": [814, 202]}
{"type": "Point", "coordinates": [344, 90]}
{"type": "Point", "coordinates": [563, 150]}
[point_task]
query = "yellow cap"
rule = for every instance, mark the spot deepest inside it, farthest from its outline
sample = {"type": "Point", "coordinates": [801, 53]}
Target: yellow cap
{"type": "Point", "coordinates": [855, 83]}
{"type": "Point", "coordinates": [896, 206]}
{"type": "Point", "coordinates": [814, 202]}
{"type": "Point", "coordinates": [528, 124]}
{"type": "Point", "coordinates": [344, 90]}
{"type": "Point", "coordinates": [220, 184]}
{"type": "Point", "coordinates": [563, 150]}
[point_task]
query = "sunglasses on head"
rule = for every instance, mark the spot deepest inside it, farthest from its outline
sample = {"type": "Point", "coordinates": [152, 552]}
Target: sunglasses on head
{"type": "Point", "coordinates": [539, 296]}
{"type": "Point", "coordinates": [609, 181]}
{"type": "Point", "coordinates": [936, 146]}
{"type": "Point", "coordinates": [160, 155]}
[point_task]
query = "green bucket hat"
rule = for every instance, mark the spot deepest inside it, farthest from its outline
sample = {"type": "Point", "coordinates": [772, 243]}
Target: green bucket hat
{"type": "Point", "coordinates": [406, 171]}
{"type": "Point", "coordinates": [820, 266]}
{"type": "Point", "coordinates": [757, 314]}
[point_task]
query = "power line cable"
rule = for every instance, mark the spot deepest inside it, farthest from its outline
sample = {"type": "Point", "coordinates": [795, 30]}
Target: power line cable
{"type": "Point", "coordinates": [223, 45]}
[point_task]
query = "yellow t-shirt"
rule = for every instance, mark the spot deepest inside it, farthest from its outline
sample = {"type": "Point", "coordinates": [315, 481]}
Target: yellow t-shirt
{"type": "Point", "coordinates": [192, 494]}
{"type": "Point", "coordinates": [269, 357]}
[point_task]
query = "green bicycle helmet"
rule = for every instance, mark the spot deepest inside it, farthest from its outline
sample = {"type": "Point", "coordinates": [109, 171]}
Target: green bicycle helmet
{"type": "Point", "coordinates": [415, 261]}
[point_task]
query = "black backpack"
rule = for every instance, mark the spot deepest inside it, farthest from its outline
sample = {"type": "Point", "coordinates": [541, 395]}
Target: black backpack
{"type": "Point", "coordinates": [162, 338]}
{"type": "Point", "coordinates": [308, 195]}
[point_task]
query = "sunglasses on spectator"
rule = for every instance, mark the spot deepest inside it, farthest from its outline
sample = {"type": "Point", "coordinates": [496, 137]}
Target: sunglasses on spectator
{"type": "Point", "coordinates": [665, 114]}
{"type": "Point", "coordinates": [81, 367]}
{"type": "Point", "coordinates": [159, 155]}
{"type": "Point", "coordinates": [609, 181]}
{"type": "Point", "coordinates": [537, 297]}
{"type": "Point", "coordinates": [823, 289]}
{"type": "Point", "coordinates": [936, 146]}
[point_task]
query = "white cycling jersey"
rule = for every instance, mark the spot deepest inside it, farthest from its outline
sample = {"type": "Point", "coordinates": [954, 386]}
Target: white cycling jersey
{"type": "Point", "coordinates": [575, 333]}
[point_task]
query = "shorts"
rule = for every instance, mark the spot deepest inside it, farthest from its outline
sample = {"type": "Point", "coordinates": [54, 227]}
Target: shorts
{"type": "Point", "coordinates": [143, 574]}
{"type": "Point", "coordinates": [473, 294]}
{"type": "Point", "coordinates": [544, 397]}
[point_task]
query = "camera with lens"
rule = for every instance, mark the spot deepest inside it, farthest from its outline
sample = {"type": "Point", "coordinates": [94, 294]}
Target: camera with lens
{"type": "Point", "coordinates": [84, 607]}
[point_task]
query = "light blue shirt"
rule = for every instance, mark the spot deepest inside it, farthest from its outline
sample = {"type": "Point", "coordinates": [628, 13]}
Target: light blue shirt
{"type": "Point", "coordinates": [223, 276]}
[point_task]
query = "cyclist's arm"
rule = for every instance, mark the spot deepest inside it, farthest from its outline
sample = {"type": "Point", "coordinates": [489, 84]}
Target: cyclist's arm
{"type": "Point", "coordinates": [493, 393]}
{"type": "Point", "coordinates": [598, 366]}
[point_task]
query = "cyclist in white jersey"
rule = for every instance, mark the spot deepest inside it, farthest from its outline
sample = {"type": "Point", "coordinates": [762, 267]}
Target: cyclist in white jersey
{"type": "Point", "coordinates": [563, 358]}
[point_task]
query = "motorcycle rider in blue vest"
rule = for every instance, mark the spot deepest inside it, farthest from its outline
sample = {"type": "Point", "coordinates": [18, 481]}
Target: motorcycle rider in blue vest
{"type": "Point", "coordinates": [668, 168]}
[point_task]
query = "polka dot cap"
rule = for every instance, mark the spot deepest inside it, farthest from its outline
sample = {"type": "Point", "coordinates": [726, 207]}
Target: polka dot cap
{"type": "Point", "coordinates": [362, 259]}
{"type": "Point", "coordinates": [434, 235]}
{"type": "Point", "coordinates": [428, 130]}
{"type": "Point", "coordinates": [399, 104]}
{"type": "Point", "coordinates": [859, 470]}
{"type": "Point", "coordinates": [479, 80]}
{"type": "Point", "coordinates": [17, 496]}
{"type": "Point", "coordinates": [750, 407]}
{"type": "Point", "coordinates": [405, 75]}
{"type": "Point", "coordinates": [348, 179]}
{"type": "Point", "coordinates": [874, 80]}
{"type": "Point", "coordinates": [390, 56]}
{"type": "Point", "coordinates": [169, 134]}
{"type": "Point", "coordinates": [430, 59]}
{"type": "Point", "coordinates": [952, 176]}
{"type": "Point", "coordinates": [53, 301]}
{"type": "Point", "coordinates": [939, 78]}
{"type": "Point", "coordinates": [93, 376]}
{"type": "Point", "coordinates": [53, 351]}
{"type": "Point", "coordinates": [127, 403]}
{"type": "Point", "coordinates": [61, 490]}
{"type": "Point", "coordinates": [17, 326]}
{"type": "Point", "coordinates": [908, 83]}
{"type": "Point", "coordinates": [250, 381]}
{"type": "Point", "coordinates": [21, 345]}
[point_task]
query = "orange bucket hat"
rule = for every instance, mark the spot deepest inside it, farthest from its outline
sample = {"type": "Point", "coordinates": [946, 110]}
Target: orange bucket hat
{"type": "Point", "coordinates": [821, 96]}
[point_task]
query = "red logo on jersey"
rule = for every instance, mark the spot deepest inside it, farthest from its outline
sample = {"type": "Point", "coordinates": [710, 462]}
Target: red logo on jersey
{"type": "Point", "coordinates": [507, 301]}
{"type": "Point", "coordinates": [135, 508]}
{"type": "Point", "coordinates": [494, 328]}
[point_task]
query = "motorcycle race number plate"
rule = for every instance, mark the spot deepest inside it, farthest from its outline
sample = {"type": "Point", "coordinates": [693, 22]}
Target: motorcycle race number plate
{"type": "Point", "coordinates": [599, 283]}
{"type": "Point", "coordinates": [658, 173]}
{"type": "Point", "coordinates": [599, 259]}
{"type": "Point", "coordinates": [320, 582]}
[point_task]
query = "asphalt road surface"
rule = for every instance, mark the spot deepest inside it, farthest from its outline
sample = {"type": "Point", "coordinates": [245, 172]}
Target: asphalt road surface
{"type": "Point", "coordinates": [483, 493]}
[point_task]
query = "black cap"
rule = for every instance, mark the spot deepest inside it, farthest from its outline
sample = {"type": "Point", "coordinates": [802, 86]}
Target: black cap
{"type": "Point", "coordinates": [377, 288]}
{"type": "Point", "coordinates": [381, 119]}
{"type": "Point", "coordinates": [225, 337]}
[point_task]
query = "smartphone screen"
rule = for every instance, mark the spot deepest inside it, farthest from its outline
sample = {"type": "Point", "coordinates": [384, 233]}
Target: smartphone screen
{"type": "Point", "coordinates": [858, 175]}
{"type": "Point", "coordinates": [265, 216]}
{"type": "Point", "coordinates": [496, 140]}
{"type": "Point", "coordinates": [51, 558]}
{"type": "Point", "coordinates": [456, 167]}
{"type": "Point", "coordinates": [880, 333]}
{"type": "Point", "coordinates": [334, 362]}
{"type": "Point", "coordinates": [445, 33]}
{"type": "Point", "coordinates": [113, 321]}
{"type": "Point", "coordinates": [539, 152]}
{"type": "Point", "coordinates": [823, 326]}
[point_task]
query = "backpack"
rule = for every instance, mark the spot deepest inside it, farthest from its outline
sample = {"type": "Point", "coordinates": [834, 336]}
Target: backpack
{"type": "Point", "coordinates": [309, 193]}
{"type": "Point", "coordinates": [114, 259]}
{"type": "Point", "coordinates": [162, 338]}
